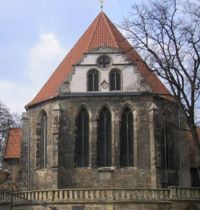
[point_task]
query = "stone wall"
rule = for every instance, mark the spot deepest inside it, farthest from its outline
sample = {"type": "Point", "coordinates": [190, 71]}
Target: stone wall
{"type": "Point", "coordinates": [12, 166]}
{"type": "Point", "coordinates": [176, 173]}
{"type": "Point", "coordinates": [44, 178]}
{"type": "Point", "coordinates": [137, 176]}
{"type": "Point", "coordinates": [60, 171]}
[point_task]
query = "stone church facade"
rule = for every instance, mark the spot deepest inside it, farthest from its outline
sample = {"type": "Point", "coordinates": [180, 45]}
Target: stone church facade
{"type": "Point", "coordinates": [103, 129]}
{"type": "Point", "coordinates": [63, 150]}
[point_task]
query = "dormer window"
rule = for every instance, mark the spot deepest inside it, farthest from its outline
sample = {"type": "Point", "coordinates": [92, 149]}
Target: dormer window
{"type": "Point", "coordinates": [103, 61]}
{"type": "Point", "coordinates": [93, 80]}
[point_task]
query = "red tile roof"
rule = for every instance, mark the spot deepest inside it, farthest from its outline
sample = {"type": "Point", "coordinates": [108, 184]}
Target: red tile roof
{"type": "Point", "coordinates": [12, 149]}
{"type": "Point", "coordinates": [102, 32]}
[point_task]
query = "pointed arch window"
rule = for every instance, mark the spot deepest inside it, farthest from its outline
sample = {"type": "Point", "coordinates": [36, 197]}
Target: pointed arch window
{"type": "Point", "coordinates": [82, 139]}
{"type": "Point", "coordinates": [126, 139]}
{"type": "Point", "coordinates": [167, 147]}
{"type": "Point", "coordinates": [169, 153]}
{"type": "Point", "coordinates": [41, 153]}
{"type": "Point", "coordinates": [104, 141]}
{"type": "Point", "coordinates": [115, 80]}
{"type": "Point", "coordinates": [93, 80]}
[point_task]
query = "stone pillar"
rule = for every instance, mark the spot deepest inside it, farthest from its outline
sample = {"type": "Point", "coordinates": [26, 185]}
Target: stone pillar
{"type": "Point", "coordinates": [24, 155]}
{"type": "Point", "coordinates": [184, 168]}
{"type": "Point", "coordinates": [93, 141]}
{"type": "Point", "coordinates": [152, 110]}
{"type": "Point", "coordinates": [56, 133]}
{"type": "Point", "coordinates": [115, 139]}
{"type": "Point", "coordinates": [135, 139]}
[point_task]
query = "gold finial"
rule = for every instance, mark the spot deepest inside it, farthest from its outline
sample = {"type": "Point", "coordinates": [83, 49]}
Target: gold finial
{"type": "Point", "coordinates": [101, 4]}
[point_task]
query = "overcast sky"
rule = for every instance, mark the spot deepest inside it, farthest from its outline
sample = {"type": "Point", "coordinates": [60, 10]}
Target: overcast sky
{"type": "Point", "coordinates": [36, 35]}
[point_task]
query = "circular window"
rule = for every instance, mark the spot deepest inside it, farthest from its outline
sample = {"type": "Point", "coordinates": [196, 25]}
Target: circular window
{"type": "Point", "coordinates": [103, 61]}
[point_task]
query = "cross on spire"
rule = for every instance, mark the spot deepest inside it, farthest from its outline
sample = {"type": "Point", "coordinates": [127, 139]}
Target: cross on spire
{"type": "Point", "coordinates": [101, 4]}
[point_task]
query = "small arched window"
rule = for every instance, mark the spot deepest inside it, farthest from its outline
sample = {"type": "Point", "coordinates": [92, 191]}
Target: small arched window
{"type": "Point", "coordinates": [126, 138]}
{"type": "Point", "coordinates": [93, 80]}
{"type": "Point", "coordinates": [115, 80]}
{"type": "Point", "coordinates": [82, 139]}
{"type": "Point", "coordinates": [104, 141]}
{"type": "Point", "coordinates": [41, 153]}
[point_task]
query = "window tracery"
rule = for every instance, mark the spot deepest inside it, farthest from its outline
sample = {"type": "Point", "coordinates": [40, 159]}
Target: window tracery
{"type": "Point", "coordinates": [104, 142]}
{"type": "Point", "coordinates": [115, 80]}
{"type": "Point", "coordinates": [82, 139]}
{"type": "Point", "coordinates": [103, 61]}
{"type": "Point", "coordinates": [41, 151]}
{"type": "Point", "coordinates": [93, 80]}
{"type": "Point", "coordinates": [126, 139]}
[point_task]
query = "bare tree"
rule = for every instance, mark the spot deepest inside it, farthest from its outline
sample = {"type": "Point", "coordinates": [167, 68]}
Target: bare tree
{"type": "Point", "coordinates": [7, 121]}
{"type": "Point", "coordinates": [167, 34]}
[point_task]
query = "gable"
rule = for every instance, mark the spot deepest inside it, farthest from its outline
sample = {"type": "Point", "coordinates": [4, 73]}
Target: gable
{"type": "Point", "coordinates": [131, 80]}
{"type": "Point", "coordinates": [101, 32]}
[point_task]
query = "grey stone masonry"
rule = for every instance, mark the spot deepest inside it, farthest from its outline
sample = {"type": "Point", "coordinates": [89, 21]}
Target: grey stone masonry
{"type": "Point", "coordinates": [24, 154]}
{"type": "Point", "coordinates": [147, 171]}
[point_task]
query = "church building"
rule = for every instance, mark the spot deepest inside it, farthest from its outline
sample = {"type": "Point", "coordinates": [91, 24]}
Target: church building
{"type": "Point", "coordinates": [103, 119]}
{"type": "Point", "coordinates": [104, 128]}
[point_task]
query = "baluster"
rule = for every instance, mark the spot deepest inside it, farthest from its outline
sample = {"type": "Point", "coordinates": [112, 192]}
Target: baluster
{"type": "Point", "coordinates": [86, 194]}
{"type": "Point", "coordinates": [81, 193]}
{"type": "Point", "coordinates": [65, 195]}
{"type": "Point", "coordinates": [49, 195]}
{"type": "Point", "coordinates": [45, 195]}
{"type": "Point", "coordinates": [33, 196]}
{"type": "Point", "coordinates": [70, 194]}
{"type": "Point", "coordinates": [40, 196]}
{"type": "Point", "coordinates": [56, 195]}
{"type": "Point", "coordinates": [75, 195]}
{"type": "Point", "coordinates": [153, 194]}
{"type": "Point", "coordinates": [60, 196]}
{"type": "Point", "coordinates": [173, 193]}
{"type": "Point", "coordinates": [110, 194]}
{"type": "Point", "coordinates": [28, 196]}
{"type": "Point", "coordinates": [36, 195]}
{"type": "Point", "coordinates": [92, 194]}
{"type": "Point", "coordinates": [53, 195]}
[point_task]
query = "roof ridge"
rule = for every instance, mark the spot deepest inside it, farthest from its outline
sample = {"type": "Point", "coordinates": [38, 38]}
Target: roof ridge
{"type": "Point", "coordinates": [109, 27]}
{"type": "Point", "coordinates": [97, 21]}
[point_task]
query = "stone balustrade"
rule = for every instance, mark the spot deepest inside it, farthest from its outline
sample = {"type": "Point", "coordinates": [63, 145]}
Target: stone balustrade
{"type": "Point", "coordinates": [101, 195]}
{"type": "Point", "coordinates": [184, 193]}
